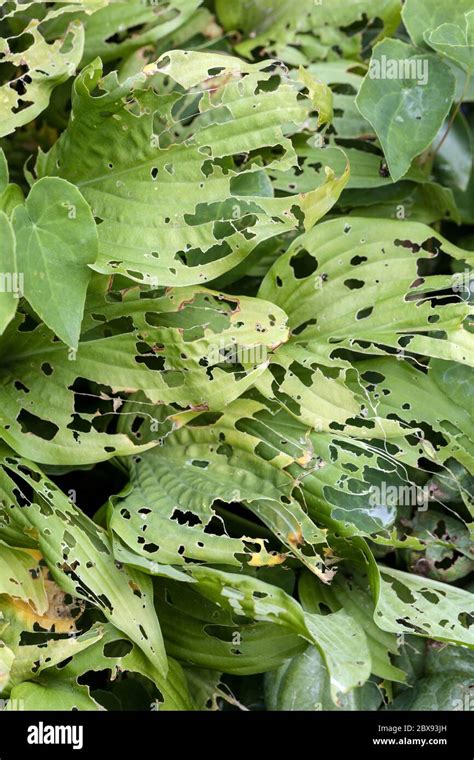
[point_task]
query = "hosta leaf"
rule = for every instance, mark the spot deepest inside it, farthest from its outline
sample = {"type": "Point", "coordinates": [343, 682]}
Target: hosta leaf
{"type": "Point", "coordinates": [206, 688]}
{"type": "Point", "coordinates": [395, 97]}
{"type": "Point", "coordinates": [51, 694]}
{"type": "Point", "coordinates": [346, 594]}
{"type": "Point", "coordinates": [56, 239]}
{"type": "Point", "coordinates": [79, 556]}
{"type": "Point", "coordinates": [20, 8]}
{"type": "Point", "coordinates": [425, 202]}
{"type": "Point", "coordinates": [32, 661]}
{"type": "Point", "coordinates": [448, 552]}
{"type": "Point", "coordinates": [263, 456]}
{"type": "Point", "coordinates": [42, 67]}
{"type": "Point", "coordinates": [171, 203]}
{"type": "Point", "coordinates": [199, 632]}
{"type": "Point", "coordinates": [4, 174]}
{"type": "Point", "coordinates": [366, 170]}
{"type": "Point", "coordinates": [21, 578]}
{"type": "Point", "coordinates": [173, 346]}
{"type": "Point", "coordinates": [169, 519]}
{"type": "Point", "coordinates": [351, 284]}
{"type": "Point", "coordinates": [344, 77]}
{"type": "Point", "coordinates": [6, 661]}
{"type": "Point", "coordinates": [108, 29]}
{"type": "Point", "coordinates": [410, 604]}
{"type": "Point", "coordinates": [440, 397]}
{"type": "Point", "coordinates": [338, 637]}
{"type": "Point", "coordinates": [302, 683]}
{"type": "Point", "coordinates": [112, 651]}
{"type": "Point", "coordinates": [454, 157]}
{"type": "Point", "coordinates": [317, 397]}
{"type": "Point", "coordinates": [58, 613]}
{"type": "Point", "coordinates": [314, 32]}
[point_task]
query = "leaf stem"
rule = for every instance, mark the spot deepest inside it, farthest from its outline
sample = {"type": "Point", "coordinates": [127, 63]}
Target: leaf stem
{"type": "Point", "coordinates": [455, 113]}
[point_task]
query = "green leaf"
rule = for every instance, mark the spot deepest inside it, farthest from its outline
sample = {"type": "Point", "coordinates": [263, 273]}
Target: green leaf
{"type": "Point", "coordinates": [32, 661]}
{"type": "Point", "coordinates": [302, 684]}
{"type": "Point", "coordinates": [456, 41]}
{"type": "Point", "coordinates": [358, 284]}
{"type": "Point", "coordinates": [201, 633]}
{"type": "Point", "coordinates": [56, 240]}
{"type": "Point", "coordinates": [338, 637]}
{"type": "Point", "coordinates": [410, 604]}
{"type": "Point", "coordinates": [185, 476]}
{"type": "Point", "coordinates": [454, 157]}
{"type": "Point", "coordinates": [42, 67]}
{"type": "Point", "coordinates": [169, 202]}
{"type": "Point", "coordinates": [422, 17]}
{"type": "Point", "coordinates": [121, 27]}
{"type": "Point", "coordinates": [350, 596]}
{"type": "Point", "coordinates": [51, 694]}
{"type": "Point", "coordinates": [449, 554]}
{"type": "Point", "coordinates": [20, 577]}
{"type": "Point", "coordinates": [311, 34]}
{"type": "Point", "coordinates": [405, 89]}
{"type": "Point", "coordinates": [107, 653]}
{"type": "Point", "coordinates": [440, 397]}
{"type": "Point", "coordinates": [79, 556]}
{"type": "Point", "coordinates": [192, 348]}
{"type": "Point", "coordinates": [445, 682]}
{"type": "Point", "coordinates": [6, 661]}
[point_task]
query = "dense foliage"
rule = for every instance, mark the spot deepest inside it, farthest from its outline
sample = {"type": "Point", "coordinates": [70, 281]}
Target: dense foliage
{"type": "Point", "coordinates": [235, 357]}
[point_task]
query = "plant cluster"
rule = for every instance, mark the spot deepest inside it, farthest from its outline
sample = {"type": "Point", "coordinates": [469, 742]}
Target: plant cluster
{"type": "Point", "coordinates": [236, 344]}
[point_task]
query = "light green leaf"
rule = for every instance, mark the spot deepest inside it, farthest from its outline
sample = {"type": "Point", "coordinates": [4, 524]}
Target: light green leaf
{"type": "Point", "coordinates": [79, 556]}
{"type": "Point", "coordinates": [338, 637]}
{"type": "Point", "coordinates": [354, 284]}
{"type": "Point", "coordinates": [313, 33]}
{"type": "Point", "coordinates": [21, 578]}
{"type": "Point", "coordinates": [6, 660]}
{"type": "Point", "coordinates": [346, 594]}
{"type": "Point", "coordinates": [187, 474]}
{"type": "Point", "coordinates": [442, 397]}
{"type": "Point", "coordinates": [119, 28]}
{"type": "Point", "coordinates": [108, 653]}
{"type": "Point", "coordinates": [201, 633]}
{"type": "Point", "coordinates": [51, 694]}
{"type": "Point", "coordinates": [170, 203]}
{"type": "Point", "coordinates": [42, 67]}
{"type": "Point", "coordinates": [33, 660]}
{"type": "Point", "coordinates": [407, 603]}
{"type": "Point", "coordinates": [192, 348]}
